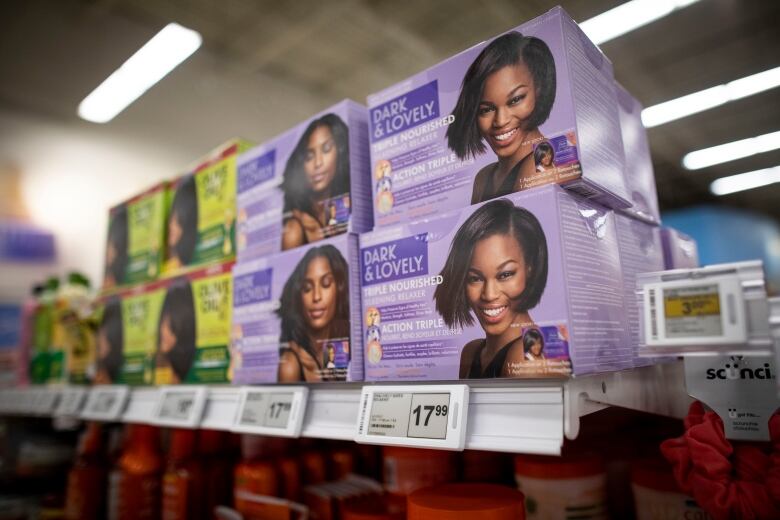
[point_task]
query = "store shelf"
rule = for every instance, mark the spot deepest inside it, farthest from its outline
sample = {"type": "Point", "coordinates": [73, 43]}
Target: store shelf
{"type": "Point", "coordinates": [522, 416]}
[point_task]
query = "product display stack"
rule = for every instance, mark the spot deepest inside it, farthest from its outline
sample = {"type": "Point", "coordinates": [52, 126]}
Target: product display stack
{"type": "Point", "coordinates": [514, 204]}
{"type": "Point", "coordinates": [303, 197]}
{"type": "Point", "coordinates": [164, 312]}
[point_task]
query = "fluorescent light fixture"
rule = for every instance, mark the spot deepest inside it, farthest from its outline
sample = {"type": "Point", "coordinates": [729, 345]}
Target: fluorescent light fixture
{"type": "Point", "coordinates": [731, 151]}
{"type": "Point", "coordinates": [139, 73]}
{"type": "Point", "coordinates": [710, 98]}
{"type": "Point", "coordinates": [629, 16]}
{"type": "Point", "coordinates": [745, 181]}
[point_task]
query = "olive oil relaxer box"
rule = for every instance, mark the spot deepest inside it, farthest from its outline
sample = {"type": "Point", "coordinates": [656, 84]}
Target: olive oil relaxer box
{"type": "Point", "coordinates": [535, 105]}
{"type": "Point", "coordinates": [307, 184]}
{"type": "Point", "coordinates": [127, 332]}
{"type": "Point", "coordinates": [527, 285]}
{"type": "Point", "coordinates": [136, 239]}
{"type": "Point", "coordinates": [202, 215]}
{"type": "Point", "coordinates": [194, 328]}
{"type": "Point", "coordinates": [297, 316]}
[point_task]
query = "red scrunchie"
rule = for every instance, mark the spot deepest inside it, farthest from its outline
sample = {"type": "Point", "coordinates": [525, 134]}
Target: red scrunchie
{"type": "Point", "coordinates": [742, 481]}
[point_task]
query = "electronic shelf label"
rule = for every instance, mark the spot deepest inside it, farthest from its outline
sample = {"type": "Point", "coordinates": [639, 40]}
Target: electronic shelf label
{"type": "Point", "coordinates": [428, 416]}
{"type": "Point", "coordinates": [71, 401]}
{"type": "Point", "coordinates": [271, 410]}
{"type": "Point", "coordinates": [180, 406]}
{"type": "Point", "coordinates": [105, 402]}
{"type": "Point", "coordinates": [713, 310]}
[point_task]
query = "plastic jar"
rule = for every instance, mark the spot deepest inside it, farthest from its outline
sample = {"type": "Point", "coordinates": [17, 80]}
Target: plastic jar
{"type": "Point", "coordinates": [408, 469]}
{"type": "Point", "coordinates": [459, 501]}
{"type": "Point", "coordinates": [657, 496]}
{"type": "Point", "coordinates": [559, 487]}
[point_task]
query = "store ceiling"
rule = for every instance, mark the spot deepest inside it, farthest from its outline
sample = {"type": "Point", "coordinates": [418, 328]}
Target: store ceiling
{"type": "Point", "coordinates": [266, 65]}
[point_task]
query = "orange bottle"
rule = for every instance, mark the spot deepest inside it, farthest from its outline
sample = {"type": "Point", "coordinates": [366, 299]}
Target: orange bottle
{"type": "Point", "coordinates": [215, 455]}
{"type": "Point", "coordinates": [183, 487]}
{"type": "Point", "coordinates": [86, 492]}
{"type": "Point", "coordinates": [472, 501]}
{"type": "Point", "coordinates": [134, 484]}
{"type": "Point", "coordinates": [256, 485]}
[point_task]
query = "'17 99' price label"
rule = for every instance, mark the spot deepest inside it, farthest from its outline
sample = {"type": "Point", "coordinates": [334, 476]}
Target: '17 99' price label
{"type": "Point", "coordinates": [426, 416]}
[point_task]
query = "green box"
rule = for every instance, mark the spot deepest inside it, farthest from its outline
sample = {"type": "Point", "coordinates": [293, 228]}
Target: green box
{"type": "Point", "coordinates": [202, 214]}
{"type": "Point", "coordinates": [194, 327]}
{"type": "Point", "coordinates": [136, 236]}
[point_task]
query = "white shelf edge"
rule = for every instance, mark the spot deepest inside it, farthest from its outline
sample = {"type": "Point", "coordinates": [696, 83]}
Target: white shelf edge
{"type": "Point", "coordinates": [517, 416]}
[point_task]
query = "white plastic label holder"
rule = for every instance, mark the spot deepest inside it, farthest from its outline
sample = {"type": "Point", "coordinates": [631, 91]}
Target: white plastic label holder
{"type": "Point", "coordinates": [105, 403]}
{"type": "Point", "coordinates": [271, 410]}
{"type": "Point", "coordinates": [426, 416]}
{"type": "Point", "coordinates": [71, 401]}
{"type": "Point", "coordinates": [180, 406]}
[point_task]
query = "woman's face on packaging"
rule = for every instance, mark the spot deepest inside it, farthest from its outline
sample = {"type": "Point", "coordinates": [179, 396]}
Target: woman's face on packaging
{"type": "Point", "coordinates": [536, 348]}
{"type": "Point", "coordinates": [174, 230]}
{"type": "Point", "coordinates": [167, 337]}
{"type": "Point", "coordinates": [319, 294]}
{"type": "Point", "coordinates": [320, 159]}
{"type": "Point", "coordinates": [508, 100]}
{"type": "Point", "coordinates": [546, 159]}
{"type": "Point", "coordinates": [496, 277]}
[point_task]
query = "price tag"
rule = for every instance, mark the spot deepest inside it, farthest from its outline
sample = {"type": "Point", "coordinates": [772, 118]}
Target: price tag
{"type": "Point", "coordinates": [695, 312]}
{"type": "Point", "coordinates": [181, 406]}
{"type": "Point", "coordinates": [105, 403]}
{"type": "Point", "coordinates": [420, 416]}
{"type": "Point", "coordinates": [272, 410]}
{"type": "Point", "coordinates": [71, 401]}
{"type": "Point", "coordinates": [44, 401]}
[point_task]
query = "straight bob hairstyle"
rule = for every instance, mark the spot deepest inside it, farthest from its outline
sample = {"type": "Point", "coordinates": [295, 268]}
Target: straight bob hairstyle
{"type": "Point", "coordinates": [297, 192]}
{"type": "Point", "coordinates": [498, 217]}
{"type": "Point", "coordinates": [530, 337]}
{"type": "Point", "coordinates": [294, 327]}
{"type": "Point", "coordinates": [463, 136]}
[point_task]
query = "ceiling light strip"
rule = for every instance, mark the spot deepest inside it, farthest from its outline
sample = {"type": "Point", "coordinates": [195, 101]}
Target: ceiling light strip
{"type": "Point", "coordinates": [152, 62]}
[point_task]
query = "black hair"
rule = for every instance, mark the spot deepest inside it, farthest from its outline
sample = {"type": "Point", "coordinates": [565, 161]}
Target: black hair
{"type": "Point", "coordinates": [112, 326]}
{"type": "Point", "coordinates": [530, 337]}
{"type": "Point", "coordinates": [542, 149]}
{"type": "Point", "coordinates": [117, 236]}
{"type": "Point", "coordinates": [498, 217]}
{"type": "Point", "coordinates": [297, 192]}
{"type": "Point", "coordinates": [291, 311]}
{"type": "Point", "coordinates": [463, 136]}
{"type": "Point", "coordinates": [185, 209]}
{"type": "Point", "coordinates": [179, 306]}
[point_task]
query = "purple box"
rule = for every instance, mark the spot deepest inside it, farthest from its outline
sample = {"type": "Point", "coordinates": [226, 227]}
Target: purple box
{"type": "Point", "coordinates": [297, 316]}
{"type": "Point", "coordinates": [535, 270]}
{"type": "Point", "coordinates": [307, 184]}
{"type": "Point", "coordinates": [680, 250]}
{"type": "Point", "coordinates": [640, 252]}
{"type": "Point", "coordinates": [640, 178]}
{"type": "Point", "coordinates": [473, 128]}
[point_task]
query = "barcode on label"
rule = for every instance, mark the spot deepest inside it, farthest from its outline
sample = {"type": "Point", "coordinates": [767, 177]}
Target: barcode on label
{"type": "Point", "coordinates": [363, 414]}
{"type": "Point", "coordinates": [653, 315]}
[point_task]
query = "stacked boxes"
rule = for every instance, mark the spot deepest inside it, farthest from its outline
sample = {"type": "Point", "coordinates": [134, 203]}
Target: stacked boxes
{"type": "Point", "coordinates": [180, 242]}
{"type": "Point", "coordinates": [302, 198]}
{"type": "Point", "coordinates": [535, 106]}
